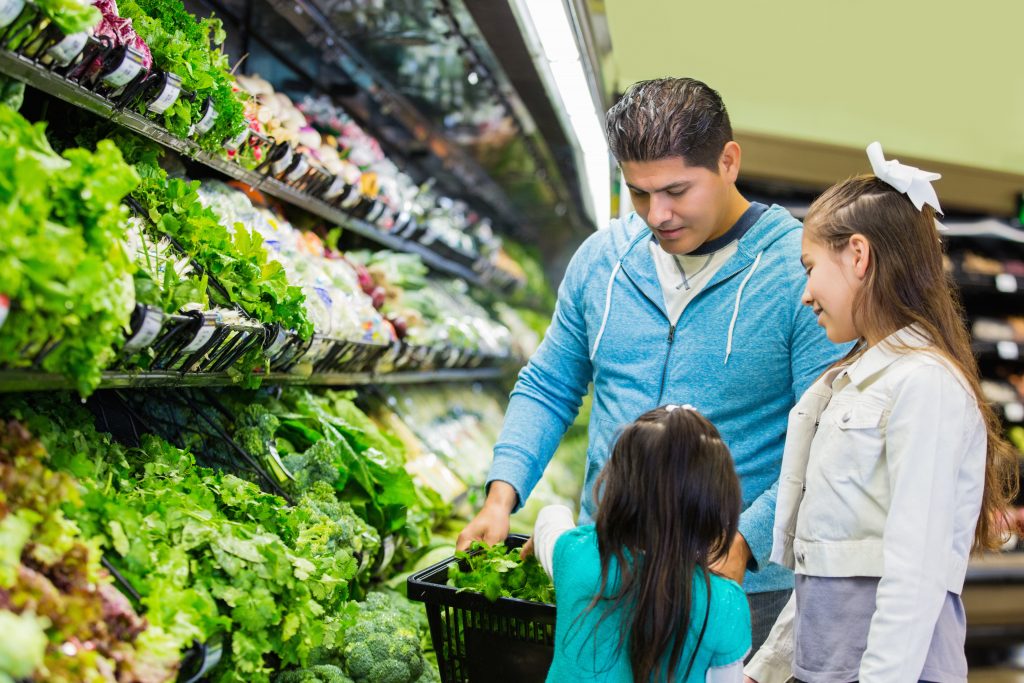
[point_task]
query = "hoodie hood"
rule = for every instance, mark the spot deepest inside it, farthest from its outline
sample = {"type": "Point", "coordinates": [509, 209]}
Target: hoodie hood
{"type": "Point", "coordinates": [629, 237]}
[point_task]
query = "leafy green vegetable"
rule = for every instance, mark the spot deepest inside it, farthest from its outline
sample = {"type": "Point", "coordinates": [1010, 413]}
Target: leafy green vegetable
{"type": "Point", "coordinates": [235, 258]}
{"type": "Point", "coordinates": [207, 551]}
{"type": "Point", "coordinates": [23, 646]}
{"type": "Point", "coordinates": [498, 572]}
{"type": "Point", "coordinates": [51, 575]}
{"type": "Point", "coordinates": [63, 262]}
{"type": "Point", "coordinates": [191, 49]}
{"type": "Point", "coordinates": [70, 16]}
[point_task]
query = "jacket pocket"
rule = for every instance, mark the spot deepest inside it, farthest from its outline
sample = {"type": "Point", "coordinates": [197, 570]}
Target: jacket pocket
{"type": "Point", "coordinates": [858, 434]}
{"type": "Point", "coordinates": [859, 416]}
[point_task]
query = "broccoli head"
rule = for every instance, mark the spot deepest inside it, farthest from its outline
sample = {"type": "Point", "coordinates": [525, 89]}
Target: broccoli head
{"type": "Point", "coordinates": [348, 530]}
{"type": "Point", "coordinates": [383, 651]}
{"type": "Point", "coordinates": [383, 646]}
{"type": "Point", "coordinates": [430, 672]}
{"type": "Point", "coordinates": [317, 463]}
{"type": "Point", "coordinates": [255, 427]}
{"type": "Point", "coordinates": [320, 673]}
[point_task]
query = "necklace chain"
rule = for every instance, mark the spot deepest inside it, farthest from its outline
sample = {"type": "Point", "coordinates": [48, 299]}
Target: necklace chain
{"type": "Point", "coordinates": [682, 271]}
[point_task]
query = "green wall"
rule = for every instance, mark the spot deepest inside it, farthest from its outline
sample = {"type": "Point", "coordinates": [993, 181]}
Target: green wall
{"type": "Point", "coordinates": [937, 80]}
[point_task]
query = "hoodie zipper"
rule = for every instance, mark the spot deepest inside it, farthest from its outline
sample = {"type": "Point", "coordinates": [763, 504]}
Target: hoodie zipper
{"type": "Point", "coordinates": [668, 354]}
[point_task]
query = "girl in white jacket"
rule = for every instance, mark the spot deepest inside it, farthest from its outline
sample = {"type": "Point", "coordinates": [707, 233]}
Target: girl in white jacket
{"type": "Point", "coordinates": [895, 468]}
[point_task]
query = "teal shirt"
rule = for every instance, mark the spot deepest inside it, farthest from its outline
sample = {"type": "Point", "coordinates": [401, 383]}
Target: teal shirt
{"type": "Point", "coordinates": [580, 656]}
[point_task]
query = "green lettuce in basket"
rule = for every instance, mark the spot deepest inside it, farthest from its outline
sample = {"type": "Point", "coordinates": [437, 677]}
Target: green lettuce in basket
{"type": "Point", "coordinates": [500, 572]}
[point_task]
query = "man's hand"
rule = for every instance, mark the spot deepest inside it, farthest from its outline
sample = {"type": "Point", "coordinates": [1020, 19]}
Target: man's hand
{"type": "Point", "coordinates": [490, 524]}
{"type": "Point", "coordinates": [734, 565]}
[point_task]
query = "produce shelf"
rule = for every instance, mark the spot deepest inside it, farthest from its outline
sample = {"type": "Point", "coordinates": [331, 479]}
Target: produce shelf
{"type": "Point", "coordinates": [307, 17]}
{"type": "Point", "coordinates": [1004, 283]}
{"type": "Point", "coordinates": [12, 381]}
{"type": "Point", "coordinates": [27, 71]}
{"type": "Point", "coordinates": [1004, 350]}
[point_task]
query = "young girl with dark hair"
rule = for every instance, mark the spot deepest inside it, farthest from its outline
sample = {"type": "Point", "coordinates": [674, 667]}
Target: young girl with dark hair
{"type": "Point", "coordinates": [635, 596]}
{"type": "Point", "coordinates": [895, 468]}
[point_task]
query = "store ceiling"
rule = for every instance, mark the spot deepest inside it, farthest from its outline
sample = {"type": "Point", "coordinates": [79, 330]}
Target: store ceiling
{"type": "Point", "coordinates": [809, 84]}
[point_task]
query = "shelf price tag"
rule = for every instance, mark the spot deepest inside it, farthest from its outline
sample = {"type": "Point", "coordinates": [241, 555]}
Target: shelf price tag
{"type": "Point", "coordinates": [317, 350]}
{"type": "Point", "coordinates": [335, 189]}
{"type": "Point", "coordinates": [301, 167]}
{"type": "Point", "coordinates": [233, 144]}
{"type": "Point", "coordinates": [282, 164]}
{"type": "Point", "coordinates": [168, 96]}
{"type": "Point", "coordinates": [147, 333]}
{"type": "Point", "coordinates": [66, 50]}
{"type": "Point", "coordinates": [1006, 283]}
{"type": "Point", "coordinates": [352, 198]}
{"type": "Point", "coordinates": [278, 344]}
{"type": "Point", "coordinates": [206, 123]}
{"type": "Point", "coordinates": [129, 68]}
{"type": "Point", "coordinates": [206, 330]}
{"type": "Point", "coordinates": [1014, 412]}
{"type": "Point", "coordinates": [403, 224]}
{"type": "Point", "coordinates": [376, 212]}
{"type": "Point", "coordinates": [9, 11]}
{"type": "Point", "coordinates": [1008, 350]}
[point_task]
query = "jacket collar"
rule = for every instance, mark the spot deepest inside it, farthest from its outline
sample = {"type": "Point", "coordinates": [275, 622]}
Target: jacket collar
{"type": "Point", "coordinates": [885, 353]}
{"type": "Point", "coordinates": [638, 264]}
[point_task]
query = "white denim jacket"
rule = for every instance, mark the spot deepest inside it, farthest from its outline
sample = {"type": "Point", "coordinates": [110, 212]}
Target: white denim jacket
{"type": "Point", "coordinates": [882, 476]}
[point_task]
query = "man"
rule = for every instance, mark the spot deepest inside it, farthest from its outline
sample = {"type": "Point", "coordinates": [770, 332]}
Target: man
{"type": "Point", "coordinates": [693, 298]}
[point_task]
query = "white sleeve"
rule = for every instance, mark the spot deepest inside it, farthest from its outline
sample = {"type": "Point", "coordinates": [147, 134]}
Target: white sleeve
{"type": "Point", "coordinates": [773, 663]}
{"type": "Point", "coordinates": [552, 522]}
{"type": "Point", "coordinates": [730, 673]}
{"type": "Point", "coordinates": [924, 449]}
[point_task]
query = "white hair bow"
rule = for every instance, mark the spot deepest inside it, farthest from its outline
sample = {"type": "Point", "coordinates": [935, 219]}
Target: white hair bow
{"type": "Point", "coordinates": [911, 181]}
{"type": "Point", "coordinates": [672, 406]}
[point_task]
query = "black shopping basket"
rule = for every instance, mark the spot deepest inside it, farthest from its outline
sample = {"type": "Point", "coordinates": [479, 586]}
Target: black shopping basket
{"type": "Point", "coordinates": [479, 641]}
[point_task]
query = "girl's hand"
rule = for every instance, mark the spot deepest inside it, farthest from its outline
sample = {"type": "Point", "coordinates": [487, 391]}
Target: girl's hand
{"type": "Point", "coordinates": [748, 679]}
{"type": "Point", "coordinates": [527, 548]}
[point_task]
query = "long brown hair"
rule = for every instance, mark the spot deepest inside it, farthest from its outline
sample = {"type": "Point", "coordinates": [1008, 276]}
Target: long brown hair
{"type": "Point", "coordinates": [669, 503]}
{"type": "Point", "coordinates": [907, 285]}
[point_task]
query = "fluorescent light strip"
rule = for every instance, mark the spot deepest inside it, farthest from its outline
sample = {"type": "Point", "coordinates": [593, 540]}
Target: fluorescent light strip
{"type": "Point", "coordinates": [545, 23]}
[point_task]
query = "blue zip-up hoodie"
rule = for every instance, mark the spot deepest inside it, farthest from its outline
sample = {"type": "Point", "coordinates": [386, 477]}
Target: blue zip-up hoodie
{"type": "Point", "coordinates": [742, 353]}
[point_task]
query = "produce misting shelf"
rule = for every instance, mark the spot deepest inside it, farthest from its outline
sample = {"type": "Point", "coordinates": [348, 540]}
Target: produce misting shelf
{"type": "Point", "coordinates": [27, 71]}
{"type": "Point", "coordinates": [17, 381]}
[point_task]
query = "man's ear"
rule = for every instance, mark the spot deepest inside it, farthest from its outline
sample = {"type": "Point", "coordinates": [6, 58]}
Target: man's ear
{"type": "Point", "coordinates": [860, 250]}
{"type": "Point", "coordinates": [729, 161]}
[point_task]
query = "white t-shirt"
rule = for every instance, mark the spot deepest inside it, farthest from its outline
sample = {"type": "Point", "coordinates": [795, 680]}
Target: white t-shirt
{"type": "Point", "coordinates": [683, 276]}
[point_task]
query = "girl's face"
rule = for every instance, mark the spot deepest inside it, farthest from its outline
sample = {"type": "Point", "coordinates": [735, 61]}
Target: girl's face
{"type": "Point", "coordinates": [833, 280]}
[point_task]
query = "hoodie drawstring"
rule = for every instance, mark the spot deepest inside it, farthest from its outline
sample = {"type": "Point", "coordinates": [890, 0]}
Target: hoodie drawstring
{"type": "Point", "coordinates": [607, 308]}
{"type": "Point", "coordinates": [736, 309]}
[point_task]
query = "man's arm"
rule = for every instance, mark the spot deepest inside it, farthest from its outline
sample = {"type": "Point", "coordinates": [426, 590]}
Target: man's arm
{"type": "Point", "coordinates": [544, 403]}
{"type": "Point", "coordinates": [810, 354]}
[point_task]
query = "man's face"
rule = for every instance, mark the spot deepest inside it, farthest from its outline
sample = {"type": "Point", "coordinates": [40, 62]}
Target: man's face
{"type": "Point", "coordinates": [684, 206]}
